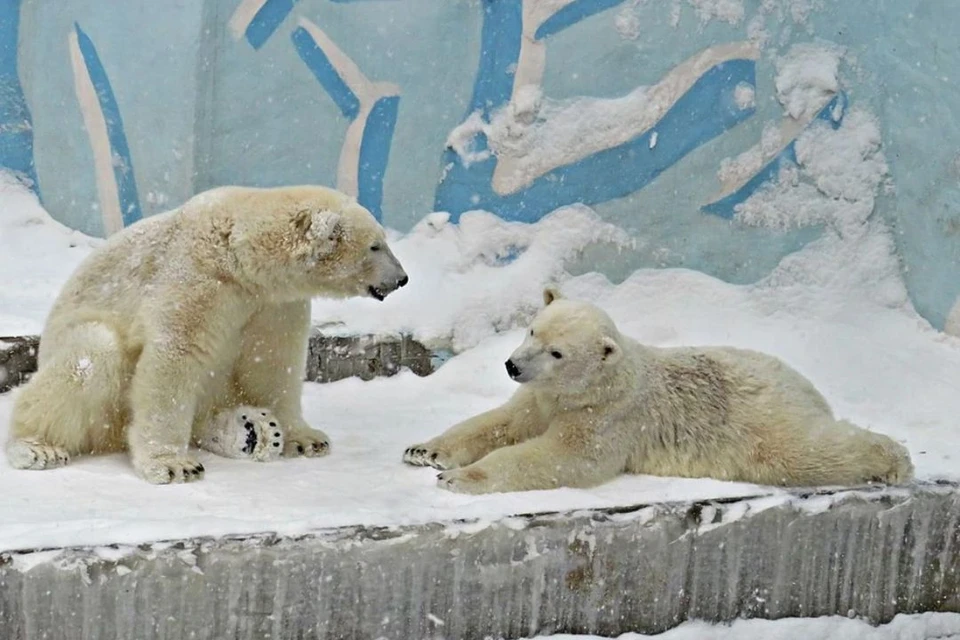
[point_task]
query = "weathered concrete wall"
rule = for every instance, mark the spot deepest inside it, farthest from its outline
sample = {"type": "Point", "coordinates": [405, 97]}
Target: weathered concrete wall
{"type": "Point", "coordinates": [329, 358]}
{"type": "Point", "coordinates": [870, 553]}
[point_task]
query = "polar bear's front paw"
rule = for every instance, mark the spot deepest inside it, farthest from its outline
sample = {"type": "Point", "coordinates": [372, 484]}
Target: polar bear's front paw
{"type": "Point", "coordinates": [244, 432]}
{"type": "Point", "coordinates": [309, 443]}
{"type": "Point", "coordinates": [472, 480]}
{"type": "Point", "coordinates": [424, 455]}
{"type": "Point", "coordinates": [170, 469]}
{"type": "Point", "coordinates": [28, 454]}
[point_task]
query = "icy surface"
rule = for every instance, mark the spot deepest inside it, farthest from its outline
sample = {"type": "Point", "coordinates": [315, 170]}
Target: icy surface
{"type": "Point", "coordinates": [923, 626]}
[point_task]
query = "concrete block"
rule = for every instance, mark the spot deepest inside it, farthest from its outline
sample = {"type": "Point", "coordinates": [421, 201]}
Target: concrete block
{"type": "Point", "coordinates": [646, 568]}
{"type": "Point", "coordinates": [18, 360]}
{"type": "Point", "coordinates": [330, 357]}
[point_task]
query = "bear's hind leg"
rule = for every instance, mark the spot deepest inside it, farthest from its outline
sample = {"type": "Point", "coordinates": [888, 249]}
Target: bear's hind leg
{"type": "Point", "coordinates": [244, 432]}
{"type": "Point", "coordinates": [74, 403]}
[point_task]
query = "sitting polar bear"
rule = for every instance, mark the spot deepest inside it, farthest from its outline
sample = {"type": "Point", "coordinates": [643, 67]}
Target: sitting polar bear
{"type": "Point", "coordinates": [193, 325]}
{"type": "Point", "coordinates": [594, 404]}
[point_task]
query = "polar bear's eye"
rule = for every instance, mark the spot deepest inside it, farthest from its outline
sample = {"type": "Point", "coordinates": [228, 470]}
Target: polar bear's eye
{"type": "Point", "coordinates": [556, 354]}
{"type": "Point", "coordinates": [375, 247]}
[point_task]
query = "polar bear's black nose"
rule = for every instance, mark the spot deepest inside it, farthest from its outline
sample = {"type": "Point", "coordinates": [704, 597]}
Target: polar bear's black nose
{"type": "Point", "coordinates": [402, 282]}
{"type": "Point", "coordinates": [512, 370]}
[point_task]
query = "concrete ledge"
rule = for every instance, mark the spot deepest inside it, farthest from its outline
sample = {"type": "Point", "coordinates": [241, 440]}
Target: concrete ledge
{"type": "Point", "coordinates": [18, 359]}
{"type": "Point", "coordinates": [871, 553]}
{"type": "Point", "coordinates": [330, 357]}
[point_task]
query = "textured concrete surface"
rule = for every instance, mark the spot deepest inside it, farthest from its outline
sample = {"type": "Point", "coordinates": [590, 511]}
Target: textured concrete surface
{"type": "Point", "coordinates": [330, 358]}
{"type": "Point", "coordinates": [871, 553]}
{"type": "Point", "coordinates": [18, 359]}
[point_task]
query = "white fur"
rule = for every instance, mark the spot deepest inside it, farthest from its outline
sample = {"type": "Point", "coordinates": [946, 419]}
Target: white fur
{"type": "Point", "coordinates": [594, 404]}
{"type": "Point", "coordinates": [191, 313]}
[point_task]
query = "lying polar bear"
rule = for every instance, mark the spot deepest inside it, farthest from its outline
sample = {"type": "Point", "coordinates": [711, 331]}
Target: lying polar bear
{"type": "Point", "coordinates": [193, 325]}
{"type": "Point", "coordinates": [594, 404]}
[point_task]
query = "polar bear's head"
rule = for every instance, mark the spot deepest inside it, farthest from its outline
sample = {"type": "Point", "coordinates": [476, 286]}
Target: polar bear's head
{"type": "Point", "coordinates": [568, 346]}
{"type": "Point", "coordinates": [312, 241]}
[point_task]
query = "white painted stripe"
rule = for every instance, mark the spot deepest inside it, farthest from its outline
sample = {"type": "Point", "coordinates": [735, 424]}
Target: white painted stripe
{"type": "Point", "coordinates": [96, 126]}
{"type": "Point", "coordinates": [367, 92]}
{"type": "Point", "coordinates": [512, 173]}
{"type": "Point", "coordinates": [243, 16]}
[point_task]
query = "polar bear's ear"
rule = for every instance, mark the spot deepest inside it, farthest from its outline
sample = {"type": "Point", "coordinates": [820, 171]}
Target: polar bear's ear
{"type": "Point", "coordinates": [550, 294]}
{"type": "Point", "coordinates": [326, 226]}
{"type": "Point", "coordinates": [321, 231]}
{"type": "Point", "coordinates": [611, 350]}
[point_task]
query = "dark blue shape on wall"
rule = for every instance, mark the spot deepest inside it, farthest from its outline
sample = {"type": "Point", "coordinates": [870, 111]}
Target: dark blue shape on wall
{"type": "Point", "coordinates": [318, 63]}
{"type": "Point", "coordinates": [702, 113]}
{"type": "Point", "coordinates": [16, 126]}
{"type": "Point", "coordinates": [726, 206]}
{"type": "Point", "coordinates": [375, 152]}
{"type": "Point", "coordinates": [267, 20]}
{"type": "Point", "coordinates": [119, 149]}
{"type": "Point", "coordinates": [499, 52]}
{"type": "Point", "coordinates": [571, 15]}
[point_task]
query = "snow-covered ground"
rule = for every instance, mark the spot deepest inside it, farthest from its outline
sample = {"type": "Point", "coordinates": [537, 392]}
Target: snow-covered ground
{"type": "Point", "coordinates": [924, 626]}
{"type": "Point", "coordinates": [837, 311]}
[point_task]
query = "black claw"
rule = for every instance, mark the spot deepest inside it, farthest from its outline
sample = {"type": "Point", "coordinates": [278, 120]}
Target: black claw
{"type": "Point", "coordinates": [171, 474]}
{"type": "Point", "coordinates": [276, 434]}
{"type": "Point", "coordinates": [273, 424]}
{"type": "Point", "coordinates": [300, 448]}
{"type": "Point", "coordinates": [433, 456]}
{"type": "Point", "coordinates": [276, 444]}
{"type": "Point", "coordinates": [200, 468]}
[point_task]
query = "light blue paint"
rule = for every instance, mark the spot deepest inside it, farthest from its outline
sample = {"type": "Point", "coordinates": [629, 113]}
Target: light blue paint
{"type": "Point", "coordinates": [375, 152]}
{"type": "Point", "coordinates": [571, 15]}
{"type": "Point", "coordinates": [726, 207]}
{"type": "Point", "coordinates": [202, 110]}
{"type": "Point", "coordinates": [702, 113]}
{"type": "Point", "coordinates": [16, 127]}
{"type": "Point", "coordinates": [322, 69]}
{"type": "Point", "coordinates": [267, 20]}
{"type": "Point", "coordinates": [119, 150]}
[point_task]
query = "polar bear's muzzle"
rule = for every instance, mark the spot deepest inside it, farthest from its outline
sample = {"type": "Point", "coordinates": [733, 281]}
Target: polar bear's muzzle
{"type": "Point", "coordinates": [382, 291]}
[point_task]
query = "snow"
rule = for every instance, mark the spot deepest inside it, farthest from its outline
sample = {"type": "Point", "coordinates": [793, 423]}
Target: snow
{"type": "Point", "coordinates": [475, 278]}
{"type": "Point", "coordinates": [922, 626]}
{"type": "Point", "coordinates": [730, 11]}
{"type": "Point", "coordinates": [37, 253]}
{"type": "Point", "coordinates": [807, 76]}
{"type": "Point", "coordinates": [839, 174]}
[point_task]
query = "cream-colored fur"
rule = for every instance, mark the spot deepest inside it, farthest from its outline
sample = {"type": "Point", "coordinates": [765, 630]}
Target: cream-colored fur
{"type": "Point", "coordinates": [594, 404]}
{"type": "Point", "coordinates": [190, 314]}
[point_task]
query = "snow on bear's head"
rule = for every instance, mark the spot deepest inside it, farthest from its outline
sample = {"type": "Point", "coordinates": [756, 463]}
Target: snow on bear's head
{"type": "Point", "coordinates": [568, 346]}
{"type": "Point", "coordinates": [313, 241]}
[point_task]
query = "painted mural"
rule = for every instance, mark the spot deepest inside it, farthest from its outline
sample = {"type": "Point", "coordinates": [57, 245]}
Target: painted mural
{"type": "Point", "coordinates": [516, 107]}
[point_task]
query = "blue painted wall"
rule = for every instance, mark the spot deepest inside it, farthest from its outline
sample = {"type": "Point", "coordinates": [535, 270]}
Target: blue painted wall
{"type": "Point", "coordinates": [189, 104]}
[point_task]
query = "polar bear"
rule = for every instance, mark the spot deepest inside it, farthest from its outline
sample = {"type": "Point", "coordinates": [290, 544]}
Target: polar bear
{"type": "Point", "coordinates": [594, 404]}
{"type": "Point", "coordinates": [192, 326]}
